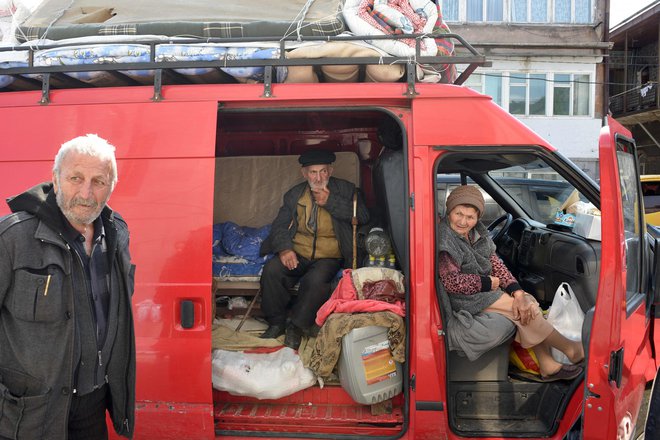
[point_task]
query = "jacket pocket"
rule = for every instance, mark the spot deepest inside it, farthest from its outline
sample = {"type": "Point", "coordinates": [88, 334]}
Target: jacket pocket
{"type": "Point", "coordinates": [23, 405]}
{"type": "Point", "coordinates": [36, 295]}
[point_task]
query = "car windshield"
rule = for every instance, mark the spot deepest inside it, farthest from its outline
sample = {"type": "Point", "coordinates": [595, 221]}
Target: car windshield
{"type": "Point", "coordinates": [540, 190]}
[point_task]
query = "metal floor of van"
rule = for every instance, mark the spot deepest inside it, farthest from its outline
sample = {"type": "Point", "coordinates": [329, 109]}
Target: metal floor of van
{"type": "Point", "coordinates": [333, 412]}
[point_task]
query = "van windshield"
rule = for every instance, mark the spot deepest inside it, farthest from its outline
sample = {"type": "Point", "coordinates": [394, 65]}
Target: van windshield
{"type": "Point", "coordinates": [540, 190]}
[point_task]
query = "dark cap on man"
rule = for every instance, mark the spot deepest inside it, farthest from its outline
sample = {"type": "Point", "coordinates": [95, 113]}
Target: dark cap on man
{"type": "Point", "coordinates": [316, 157]}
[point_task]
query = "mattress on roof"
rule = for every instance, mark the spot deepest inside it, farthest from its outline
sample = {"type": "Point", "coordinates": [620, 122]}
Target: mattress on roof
{"type": "Point", "coordinates": [59, 19]}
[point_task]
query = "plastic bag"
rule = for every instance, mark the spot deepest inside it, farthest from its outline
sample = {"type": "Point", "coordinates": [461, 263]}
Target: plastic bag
{"type": "Point", "coordinates": [261, 375]}
{"type": "Point", "coordinates": [524, 359]}
{"type": "Point", "coordinates": [566, 317]}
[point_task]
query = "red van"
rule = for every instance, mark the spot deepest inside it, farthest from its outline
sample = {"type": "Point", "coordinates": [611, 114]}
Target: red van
{"type": "Point", "coordinates": [194, 155]}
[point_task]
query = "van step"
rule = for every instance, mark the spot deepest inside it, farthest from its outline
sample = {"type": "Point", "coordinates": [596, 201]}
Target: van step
{"type": "Point", "coordinates": [336, 419]}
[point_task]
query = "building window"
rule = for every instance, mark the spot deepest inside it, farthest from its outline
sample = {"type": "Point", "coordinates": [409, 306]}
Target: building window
{"type": "Point", "coordinates": [487, 83]}
{"type": "Point", "coordinates": [581, 88]}
{"type": "Point", "coordinates": [450, 10]}
{"type": "Point", "coordinates": [537, 85]}
{"type": "Point", "coordinates": [536, 94]}
{"type": "Point", "coordinates": [518, 11]}
{"type": "Point", "coordinates": [570, 95]}
{"type": "Point", "coordinates": [493, 87]}
{"type": "Point", "coordinates": [529, 11]}
{"type": "Point", "coordinates": [572, 11]}
{"type": "Point", "coordinates": [561, 98]}
{"type": "Point", "coordinates": [485, 10]}
{"type": "Point", "coordinates": [527, 94]}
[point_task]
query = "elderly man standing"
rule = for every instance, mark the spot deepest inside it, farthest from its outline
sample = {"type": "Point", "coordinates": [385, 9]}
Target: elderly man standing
{"type": "Point", "coordinates": [311, 236]}
{"type": "Point", "coordinates": [67, 347]}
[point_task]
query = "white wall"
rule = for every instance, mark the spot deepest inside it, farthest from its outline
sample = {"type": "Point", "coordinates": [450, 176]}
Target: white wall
{"type": "Point", "coordinates": [573, 137]}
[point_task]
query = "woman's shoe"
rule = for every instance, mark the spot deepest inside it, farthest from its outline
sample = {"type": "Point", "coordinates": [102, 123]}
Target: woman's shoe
{"type": "Point", "coordinates": [566, 372]}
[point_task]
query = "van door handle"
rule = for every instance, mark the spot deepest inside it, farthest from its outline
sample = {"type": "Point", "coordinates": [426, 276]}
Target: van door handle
{"type": "Point", "coordinates": [187, 314]}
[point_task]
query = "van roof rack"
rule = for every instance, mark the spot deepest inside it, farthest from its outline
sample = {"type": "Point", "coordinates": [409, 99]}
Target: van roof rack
{"type": "Point", "coordinates": [472, 59]}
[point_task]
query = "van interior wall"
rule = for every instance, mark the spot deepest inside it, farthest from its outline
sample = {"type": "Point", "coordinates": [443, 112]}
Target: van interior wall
{"type": "Point", "coordinates": [277, 133]}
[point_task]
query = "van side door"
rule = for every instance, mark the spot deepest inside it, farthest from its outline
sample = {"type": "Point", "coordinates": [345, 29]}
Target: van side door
{"type": "Point", "coordinates": [165, 155]}
{"type": "Point", "coordinates": [619, 349]}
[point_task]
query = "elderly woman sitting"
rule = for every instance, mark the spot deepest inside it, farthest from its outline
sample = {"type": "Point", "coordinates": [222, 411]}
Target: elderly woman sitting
{"type": "Point", "coordinates": [477, 280]}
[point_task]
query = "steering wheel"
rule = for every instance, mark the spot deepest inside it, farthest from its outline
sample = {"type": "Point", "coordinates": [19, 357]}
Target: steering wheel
{"type": "Point", "coordinates": [499, 226]}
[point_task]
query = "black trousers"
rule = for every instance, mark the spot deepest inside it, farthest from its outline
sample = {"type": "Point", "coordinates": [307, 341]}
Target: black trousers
{"type": "Point", "coordinates": [314, 290]}
{"type": "Point", "coordinates": [87, 416]}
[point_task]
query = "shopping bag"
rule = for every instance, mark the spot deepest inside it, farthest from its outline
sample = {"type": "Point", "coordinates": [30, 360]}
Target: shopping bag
{"type": "Point", "coordinates": [566, 317]}
{"type": "Point", "coordinates": [524, 359]}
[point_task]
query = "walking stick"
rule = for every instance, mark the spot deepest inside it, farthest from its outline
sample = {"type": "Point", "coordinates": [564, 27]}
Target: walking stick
{"type": "Point", "coordinates": [354, 222]}
{"type": "Point", "coordinates": [247, 312]}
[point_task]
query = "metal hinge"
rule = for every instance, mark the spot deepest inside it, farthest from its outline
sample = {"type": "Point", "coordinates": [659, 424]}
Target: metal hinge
{"type": "Point", "coordinates": [412, 382]}
{"type": "Point", "coordinates": [411, 201]}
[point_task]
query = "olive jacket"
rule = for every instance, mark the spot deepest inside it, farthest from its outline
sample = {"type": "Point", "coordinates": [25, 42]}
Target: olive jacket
{"type": "Point", "coordinates": [340, 207]}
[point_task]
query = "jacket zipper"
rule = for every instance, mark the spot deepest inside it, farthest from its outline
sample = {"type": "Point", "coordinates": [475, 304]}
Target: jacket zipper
{"type": "Point", "coordinates": [91, 306]}
{"type": "Point", "coordinates": [73, 305]}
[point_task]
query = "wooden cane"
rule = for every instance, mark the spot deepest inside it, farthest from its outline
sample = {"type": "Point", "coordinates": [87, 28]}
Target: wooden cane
{"type": "Point", "coordinates": [354, 222]}
{"type": "Point", "coordinates": [247, 312]}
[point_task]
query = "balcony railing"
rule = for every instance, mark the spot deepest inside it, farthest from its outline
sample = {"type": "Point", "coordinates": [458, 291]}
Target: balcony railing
{"type": "Point", "coordinates": [634, 100]}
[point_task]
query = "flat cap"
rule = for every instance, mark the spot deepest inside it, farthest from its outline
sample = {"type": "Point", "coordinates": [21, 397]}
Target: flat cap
{"type": "Point", "coordinates": [316, 157]}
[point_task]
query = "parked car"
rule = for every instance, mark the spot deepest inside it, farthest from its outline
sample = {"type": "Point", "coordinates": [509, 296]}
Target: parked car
{"type": "Point", "coordinates": [541, 198]}
{"type": "Point", "coordinates": [651, 192]}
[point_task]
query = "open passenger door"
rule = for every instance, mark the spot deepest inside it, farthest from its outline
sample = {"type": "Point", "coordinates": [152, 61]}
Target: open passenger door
{"type": "Point", "coordinates": [619, 344]}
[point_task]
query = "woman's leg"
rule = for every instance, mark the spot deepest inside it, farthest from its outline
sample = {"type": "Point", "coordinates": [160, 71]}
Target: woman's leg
{"type": "Point", "coordinates": [547, 364]}
{"type": "Point", "coordinates": [573, 349]}
{"type": "Point", "coordinates": [540, 335]}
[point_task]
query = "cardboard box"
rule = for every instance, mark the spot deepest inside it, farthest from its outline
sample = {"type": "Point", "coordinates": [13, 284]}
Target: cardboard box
{"type": "Point", "coordinates": [587, 226]}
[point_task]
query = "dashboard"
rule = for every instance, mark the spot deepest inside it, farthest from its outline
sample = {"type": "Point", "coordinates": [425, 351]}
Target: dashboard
{"type": "Point", "coordinates": [541, 258]}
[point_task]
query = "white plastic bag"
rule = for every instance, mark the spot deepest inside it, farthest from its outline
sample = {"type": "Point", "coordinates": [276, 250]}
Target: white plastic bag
{"type": "Point", "coordinates": [260, 375]}
{"type": "Point", "coordinates": [566, 317]}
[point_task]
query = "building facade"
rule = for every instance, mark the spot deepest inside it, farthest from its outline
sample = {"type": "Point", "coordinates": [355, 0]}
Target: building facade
{"type": "Point", "coordinates": [633, 79]}
{"type": "Point", "coordinates": [546, 67]}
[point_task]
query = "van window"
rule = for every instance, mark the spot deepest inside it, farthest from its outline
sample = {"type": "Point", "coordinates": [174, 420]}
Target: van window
{"type": "Point", "coordinates": [539, 189]}
{"type": "Point", "coordinates": [633, 225]}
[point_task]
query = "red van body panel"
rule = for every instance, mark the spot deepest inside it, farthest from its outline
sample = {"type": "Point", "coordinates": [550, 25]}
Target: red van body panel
{"type": "Point", "coordinates": [171, 227]}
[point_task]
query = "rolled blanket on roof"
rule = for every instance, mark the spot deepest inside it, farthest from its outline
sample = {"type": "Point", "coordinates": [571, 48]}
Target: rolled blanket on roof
{"type": "Point", "coordinates": [394, 17]}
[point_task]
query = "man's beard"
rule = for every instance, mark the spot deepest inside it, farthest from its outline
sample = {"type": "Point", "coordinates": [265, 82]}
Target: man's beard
{"type": "Point", "coordinates": [79, 201]}
{"type": "Point", "coordinates": [318, 185]}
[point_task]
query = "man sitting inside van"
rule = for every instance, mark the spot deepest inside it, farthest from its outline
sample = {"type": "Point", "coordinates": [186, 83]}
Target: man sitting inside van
{"type": "Point", "coordinates": [312, 238]}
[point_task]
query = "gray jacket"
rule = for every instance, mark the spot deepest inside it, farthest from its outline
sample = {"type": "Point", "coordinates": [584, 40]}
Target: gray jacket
{"type": "Point", "coordinates": [340, 207]}
{"type": "Point", "coordinates": [37, 324]}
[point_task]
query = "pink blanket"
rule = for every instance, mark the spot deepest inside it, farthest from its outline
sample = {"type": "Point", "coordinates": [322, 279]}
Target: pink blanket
{"type": "Point", "coordinates": [345, 300]}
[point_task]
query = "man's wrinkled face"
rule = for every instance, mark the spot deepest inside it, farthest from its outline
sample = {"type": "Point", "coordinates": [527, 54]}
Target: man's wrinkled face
{"type": "Point", "coordinates": [317, 175]}
{"type": "Point", "coordinates": [83, 187]}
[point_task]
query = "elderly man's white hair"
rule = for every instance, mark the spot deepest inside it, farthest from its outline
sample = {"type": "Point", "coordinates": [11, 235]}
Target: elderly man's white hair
{"type": "Point", "coordinates": [91, 145]}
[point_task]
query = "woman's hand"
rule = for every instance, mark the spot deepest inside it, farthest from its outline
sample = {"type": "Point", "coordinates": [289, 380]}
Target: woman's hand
{"type": "Point", "coordinates": [494, 282]}
{"type": "Point", "coordinates": [525, 307]}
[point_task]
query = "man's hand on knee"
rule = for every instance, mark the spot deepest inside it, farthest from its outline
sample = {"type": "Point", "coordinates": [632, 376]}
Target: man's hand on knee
{"type": "Point", "coordinates": [289, 259]}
